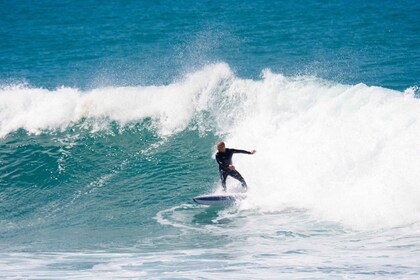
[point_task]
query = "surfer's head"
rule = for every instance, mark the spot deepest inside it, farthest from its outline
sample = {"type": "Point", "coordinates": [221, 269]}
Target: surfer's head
{"type": "Point", "coordinates": [221, 147]}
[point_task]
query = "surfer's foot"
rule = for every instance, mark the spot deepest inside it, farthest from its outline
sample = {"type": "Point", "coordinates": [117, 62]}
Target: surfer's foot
{"type": "Point", "coordinates": [224, 190]}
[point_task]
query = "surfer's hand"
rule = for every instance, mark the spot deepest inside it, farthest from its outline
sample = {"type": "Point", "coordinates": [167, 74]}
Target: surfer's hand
{"type": "Point", "coordinates": [231, 167]}
{"type": "Point", "coordinates": [253, 152]}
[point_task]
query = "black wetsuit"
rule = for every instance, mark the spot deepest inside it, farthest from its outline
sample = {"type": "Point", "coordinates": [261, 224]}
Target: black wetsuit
{"type": "Point", "coordinates": [224, 160]}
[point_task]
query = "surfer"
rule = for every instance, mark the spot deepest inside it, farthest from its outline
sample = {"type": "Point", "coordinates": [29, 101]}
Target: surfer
{"type": "Point", "coordinates": [226, 168]}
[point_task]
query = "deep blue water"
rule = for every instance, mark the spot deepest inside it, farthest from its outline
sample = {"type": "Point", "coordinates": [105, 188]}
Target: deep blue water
{"type": "Point", "coordinates": [110, 112]}
{"type": "Point", "coordinates": [90, 43]}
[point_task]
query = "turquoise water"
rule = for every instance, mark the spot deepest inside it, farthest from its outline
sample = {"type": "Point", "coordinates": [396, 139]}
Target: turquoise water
{"type": "Point", "coordinates": [109, 115]}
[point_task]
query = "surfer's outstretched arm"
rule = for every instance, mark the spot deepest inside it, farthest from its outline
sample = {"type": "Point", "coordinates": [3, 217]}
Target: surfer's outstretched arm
{"type": "Point", "coordinates": [244, 152]}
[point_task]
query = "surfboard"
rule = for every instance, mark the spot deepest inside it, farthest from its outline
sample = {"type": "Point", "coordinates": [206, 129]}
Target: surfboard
{"type": "Point", "coordinates": [219, 200]}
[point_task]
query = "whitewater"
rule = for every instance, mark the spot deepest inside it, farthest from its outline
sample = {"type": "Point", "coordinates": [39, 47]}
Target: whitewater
{"type": "Point", "coordinates": [105, 179]}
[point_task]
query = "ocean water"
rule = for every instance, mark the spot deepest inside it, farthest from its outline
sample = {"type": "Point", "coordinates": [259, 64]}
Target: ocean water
{"type": "Point", "coordinates": [109, 116]}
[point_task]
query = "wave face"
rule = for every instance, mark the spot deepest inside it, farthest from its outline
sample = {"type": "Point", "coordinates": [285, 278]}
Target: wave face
{"type": "Point", "coordinates": [332, 160]}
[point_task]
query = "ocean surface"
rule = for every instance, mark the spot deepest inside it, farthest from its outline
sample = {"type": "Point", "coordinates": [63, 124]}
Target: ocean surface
{"type": "Point", "coordinates": [110, 112]}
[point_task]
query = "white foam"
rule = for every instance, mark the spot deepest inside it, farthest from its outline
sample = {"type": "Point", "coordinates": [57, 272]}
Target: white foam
{"type": "Point", "coordinates": [347, 153]}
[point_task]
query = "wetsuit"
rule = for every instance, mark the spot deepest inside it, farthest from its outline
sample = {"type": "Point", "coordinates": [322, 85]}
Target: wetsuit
{"type": "Point", "coordinates": [224, 160]}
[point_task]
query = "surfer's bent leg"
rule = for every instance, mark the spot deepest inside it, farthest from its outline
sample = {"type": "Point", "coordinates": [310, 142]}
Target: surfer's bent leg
{"type": "Point", "coordinates": [223, 176]}
{"type": "Point", "coordinates": [235, 174]}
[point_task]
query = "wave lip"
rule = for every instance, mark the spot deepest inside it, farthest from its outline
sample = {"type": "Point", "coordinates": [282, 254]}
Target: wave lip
{"type": "Point", "coordinates": [171, 107]}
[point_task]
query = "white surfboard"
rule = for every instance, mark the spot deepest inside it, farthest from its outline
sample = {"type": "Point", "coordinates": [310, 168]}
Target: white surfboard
{"type": "Point", "coordinates": [219, 200]}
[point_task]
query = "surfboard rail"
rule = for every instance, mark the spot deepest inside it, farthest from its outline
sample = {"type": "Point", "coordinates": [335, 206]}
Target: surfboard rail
{"type": "Point", "coordinates": [218, 200]}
